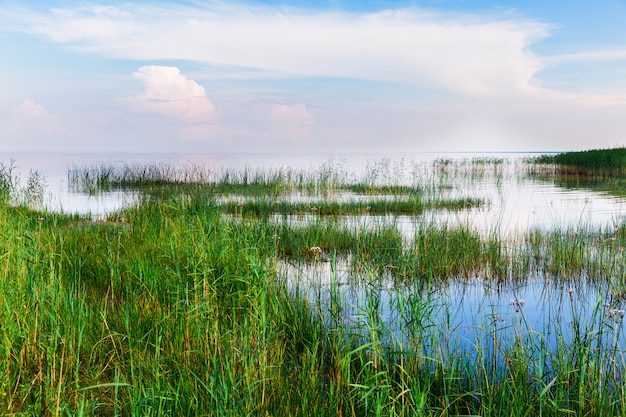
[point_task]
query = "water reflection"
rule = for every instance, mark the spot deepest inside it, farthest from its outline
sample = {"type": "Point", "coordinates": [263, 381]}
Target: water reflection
{"type": "Point", "coordinates": [517, 205]}
{"type": "Point", "coordinates": [60, 196]}
{"type": "Point", "coordinates": [516, 202]}
{"type": "Point", "coordinates": [467, 315]}
{"type": "Point", "coordinates": [462, 317]}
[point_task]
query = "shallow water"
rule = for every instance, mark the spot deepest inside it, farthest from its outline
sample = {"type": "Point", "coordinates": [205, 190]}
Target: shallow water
{"type": "Point", "coordinates": [461, 315]}
{"type": "Point", "coordinates": [515, 202]}
{"type": "Point", "coordinates": [59, 196]}
{"type": "Point", "coordinates": [464, 310]}
{"type": "Point", "coordinates": [520, 204]}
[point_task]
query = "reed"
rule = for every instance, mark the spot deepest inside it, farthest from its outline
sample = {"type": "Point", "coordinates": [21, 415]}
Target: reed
{"type": "Point", "coordinates": [7, 181]}
{"type": "Point", "coordinates": [173, 307]}
{"type": "Point", "coordinates": [397, 206]}
{"type": "Point", "coordinates": [590, 163]}
{"type": "Point", "coordinates": [14, 192]}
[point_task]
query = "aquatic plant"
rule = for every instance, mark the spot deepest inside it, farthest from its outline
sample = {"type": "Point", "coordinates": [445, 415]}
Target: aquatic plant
{"type": "Point", "coordinates": [7, 182]}
{"type": "Point", "coordinates": [13, 192]}
{"type": "Point", "coordinates": [183, 304]}
{"type": "Point", "coordinates": [379, 207]}
{"type": "Point", "coordinates": [594, 162]}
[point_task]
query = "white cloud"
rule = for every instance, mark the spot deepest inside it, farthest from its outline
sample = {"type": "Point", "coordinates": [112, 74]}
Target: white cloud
{"type": "Point", "coordinates": [29, 125]}
{"type": "Point", "coordinates": [588, 56]}
{"type": "Point", "coordinates": [292, 120]}
{"type": "Point", "coordinates": [449, 81]}
{"type": "Point", "coordinates": [29, 117]}
{"type": "Point", "coordinates": [263, 124]}
{"type": "Point", "coordinates": [461, 54]}
{"type": "Point", "coordinates": [170, 94]}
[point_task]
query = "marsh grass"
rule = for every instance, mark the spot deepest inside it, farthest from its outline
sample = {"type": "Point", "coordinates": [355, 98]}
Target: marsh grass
{"type": "Point", "coordinates": [172, 307]}
{"type": "Point", "coordinates": [252, 182]}
{"type": "Point", "coordinates": [600, 163]}
{"type": "Point", "coordinates": [329, 191]}
{"type": "Point", "coordinates": [106, 176]}
{"type": "Point", "coordinates": [7, 182]}
{"type": "Point", "coordinates": [12, 191]}
{"type": "Point", "coordinates": [396, 206]}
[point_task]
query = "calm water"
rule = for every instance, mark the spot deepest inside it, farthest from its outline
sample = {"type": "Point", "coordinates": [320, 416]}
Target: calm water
{"type": "Point", "coordinates": [515, 203]}
{"type": "Point", "coordinates": [59, 196]}
{"type": "Point", "coordinates": [464, 315]}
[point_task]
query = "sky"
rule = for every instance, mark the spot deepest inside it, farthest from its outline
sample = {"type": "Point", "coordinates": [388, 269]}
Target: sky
{"type": "Point", "coordinates": [312, 76]}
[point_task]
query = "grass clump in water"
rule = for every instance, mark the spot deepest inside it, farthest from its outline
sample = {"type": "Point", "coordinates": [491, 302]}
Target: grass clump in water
{"type": "Point", "coordinates": [181, 310]}
{"type": "Point", "coordinates": [590, 163]}
{"type": "Point", "coordinates": [397, 206]}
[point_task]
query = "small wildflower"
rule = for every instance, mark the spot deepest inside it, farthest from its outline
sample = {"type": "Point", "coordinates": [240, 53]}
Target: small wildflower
{"type": "Point", "coordinates": [241, 203]}
{"type": "Point", "coordinates": [517, 304]}
{"type": "Point", "coordinates": [315, 250]}
{"type": "Point", "coordinates": [41, 219]}
{"type": "Point", "coordinates": [570, 291]}
{"type": "Point", "coordinates": [615, 314]}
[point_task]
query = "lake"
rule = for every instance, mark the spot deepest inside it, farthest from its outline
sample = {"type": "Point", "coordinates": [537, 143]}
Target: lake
{"type": "Point", "coordinates": [514, 204]}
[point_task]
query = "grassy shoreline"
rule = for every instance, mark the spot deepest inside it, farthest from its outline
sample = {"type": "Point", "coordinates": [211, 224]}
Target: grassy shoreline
{"type": "Point", "coordinates": [182, 310]}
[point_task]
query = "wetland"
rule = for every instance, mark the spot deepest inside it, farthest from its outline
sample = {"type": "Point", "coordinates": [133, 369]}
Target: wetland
{"type": "Point", "coordinates": [429, 285]}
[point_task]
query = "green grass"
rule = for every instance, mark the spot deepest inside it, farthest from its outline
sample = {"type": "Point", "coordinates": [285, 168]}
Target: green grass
{"type": "Point", "coordinates": [600, 170]}
{"type": "Point", "coordinates": [183, 309]}
{"type": "Point", "coordinates": [268, 192]}
{"type": "Point", "coordinates": [396, 206]}
{"type": "Point", "coordinates": [594, 162]}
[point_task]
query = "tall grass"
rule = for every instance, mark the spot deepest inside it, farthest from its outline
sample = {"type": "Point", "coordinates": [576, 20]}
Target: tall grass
{"type": "Point", "coordinates": [182, 310]}
{"type": "Point", "coordinates": [12, 191]}
{"type": "Point", "coordinates": [395, 206]}
{"type": "Point", "coordinates": [594, 162]}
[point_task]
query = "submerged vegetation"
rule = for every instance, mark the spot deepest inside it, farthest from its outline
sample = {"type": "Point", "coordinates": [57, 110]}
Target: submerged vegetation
{"type": "Point", "coordinates": [183, 304]}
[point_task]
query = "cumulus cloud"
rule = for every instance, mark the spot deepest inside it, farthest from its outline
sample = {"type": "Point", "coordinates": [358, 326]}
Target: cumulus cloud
{"type": "Point", "coordinates": [457, 53]}
{"type": "Point", "coordinates": [29, 117]}
{"type": "Point", "coordinates": [445, 77]}
{"type": "Point", "coordinates": [292, 120]}
{"type": "Point", "coordinates": [170, 94]}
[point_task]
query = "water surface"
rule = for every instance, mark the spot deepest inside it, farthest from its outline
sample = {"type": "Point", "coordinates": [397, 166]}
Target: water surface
{"type": "Point", "coordinates": [515, 204]}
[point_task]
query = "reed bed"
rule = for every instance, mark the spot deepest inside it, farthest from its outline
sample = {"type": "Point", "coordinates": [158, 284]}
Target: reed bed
{"type": "Point", "coordinates": [13, 191]}
{"type": "Point", "coordinates": [395, 206]}
{"type": "Point", "coordinates": [330, 178]}
{"type": "Point", "coordinates": [103, 177]}
{"type": "Point", "coordinates": [174, 308]}
{"type": "Point", "coordinates": [590, 163]}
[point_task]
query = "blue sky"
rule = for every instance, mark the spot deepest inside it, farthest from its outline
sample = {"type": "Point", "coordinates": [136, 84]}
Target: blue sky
{"type": "Point", "coordinates": [326, 76]}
